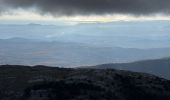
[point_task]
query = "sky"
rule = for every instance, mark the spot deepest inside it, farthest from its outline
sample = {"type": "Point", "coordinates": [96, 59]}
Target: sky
{"type": "Point", "coordinates": [84, 10]}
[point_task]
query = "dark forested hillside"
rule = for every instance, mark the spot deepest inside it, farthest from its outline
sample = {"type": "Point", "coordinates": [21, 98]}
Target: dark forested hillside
{"type": "Point", "coordinates": [51, 83]}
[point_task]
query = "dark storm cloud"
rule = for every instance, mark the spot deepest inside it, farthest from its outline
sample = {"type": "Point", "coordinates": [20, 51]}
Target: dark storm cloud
{"type": "Point", "coordinates": [87, 7]}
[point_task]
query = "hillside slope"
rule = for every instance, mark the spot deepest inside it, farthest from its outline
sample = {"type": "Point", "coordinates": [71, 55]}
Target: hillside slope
{"type": "Point", "coordinates": [159, 67]}
{"type": "Point", "coordinates": [49, 83]}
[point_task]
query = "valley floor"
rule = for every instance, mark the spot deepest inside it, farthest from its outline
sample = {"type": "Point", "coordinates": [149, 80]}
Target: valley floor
{"type": "Point", "coordinates": [52, 83]}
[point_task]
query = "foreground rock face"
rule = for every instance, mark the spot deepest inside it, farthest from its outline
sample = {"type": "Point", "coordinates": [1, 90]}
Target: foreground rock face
{"type": "Point", "coordinates": [45, 83]}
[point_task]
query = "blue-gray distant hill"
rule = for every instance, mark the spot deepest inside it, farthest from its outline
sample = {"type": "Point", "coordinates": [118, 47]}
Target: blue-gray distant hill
{"type": "Point", "coordinates": [159, 67]}
{"type": "Point", "coordinates": [128, 34]}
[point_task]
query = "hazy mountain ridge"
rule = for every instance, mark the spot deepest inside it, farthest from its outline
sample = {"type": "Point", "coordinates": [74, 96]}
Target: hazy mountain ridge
{"type": "Point", "coordinates": [51, 83]}
{"type": "Point", "coordinates": [159, 67]}
{"type": "Point", "coordinates": [135, 34]}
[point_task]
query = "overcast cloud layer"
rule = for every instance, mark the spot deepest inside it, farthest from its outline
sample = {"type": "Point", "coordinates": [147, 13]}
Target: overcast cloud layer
{"type": "Point", "coordinates": [88, 7]}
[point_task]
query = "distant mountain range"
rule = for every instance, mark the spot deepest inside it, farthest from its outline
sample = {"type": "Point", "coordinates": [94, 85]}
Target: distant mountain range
{"type": "Point", "coordinates": [128, 34]}
{"type": "Point", "coordinates": [53, 83]}
{"type": "Point", "coordinates": [69, 54]}
{"type": "Point", "coordinates": [159, 67]}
